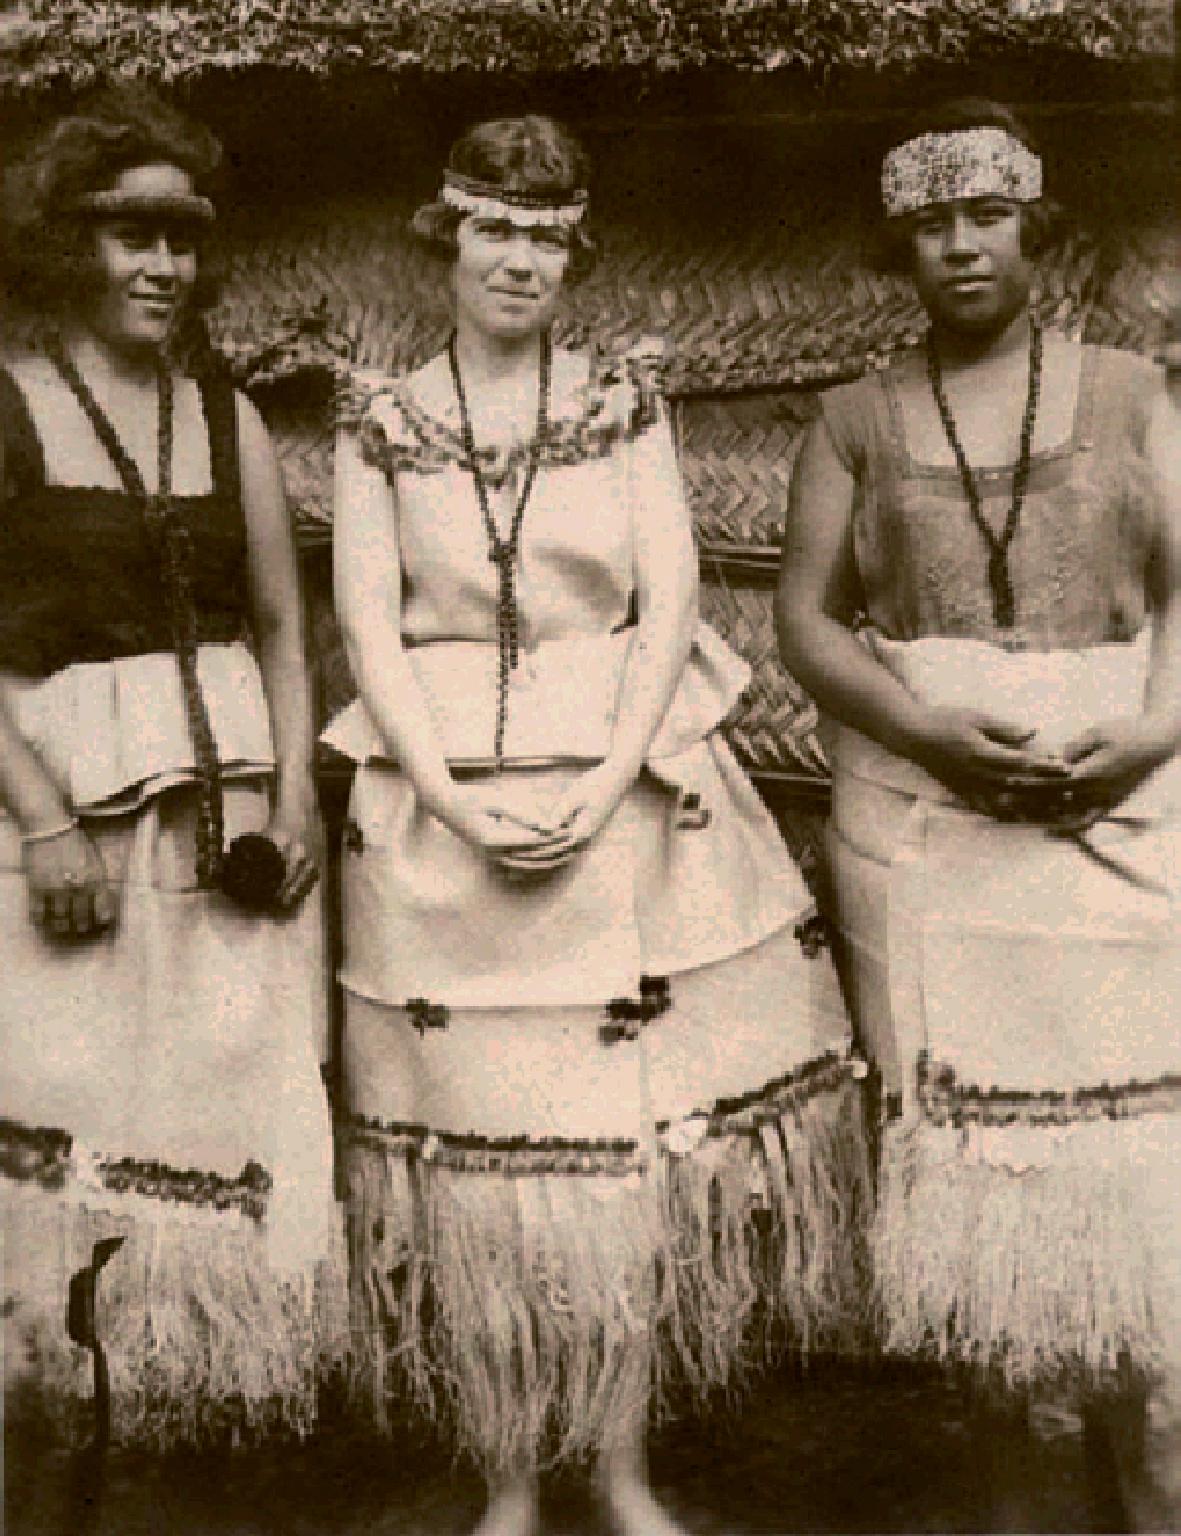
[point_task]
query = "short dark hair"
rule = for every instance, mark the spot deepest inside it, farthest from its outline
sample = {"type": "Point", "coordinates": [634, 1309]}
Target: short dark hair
{"type": "Point", "coordinates": [49, 263]}
{"type": "Point", "coordinates": [531, 156]}
{"type": "Point", "coordinates": [892, 249]}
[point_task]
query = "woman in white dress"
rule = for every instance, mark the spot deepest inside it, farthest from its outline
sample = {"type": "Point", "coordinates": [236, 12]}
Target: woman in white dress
{"type": "Point", "coordinates": [604, 1145]}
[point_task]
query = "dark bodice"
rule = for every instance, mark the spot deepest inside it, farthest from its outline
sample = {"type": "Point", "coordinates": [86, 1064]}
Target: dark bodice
{"type": "Point", "coordinates": [80, 577]}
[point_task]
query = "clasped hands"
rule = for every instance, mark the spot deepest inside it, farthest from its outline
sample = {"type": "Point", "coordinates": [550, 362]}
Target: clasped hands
{"type": "Point", "coordinates": [994, 767]}
{"type": "Point", "coordinates": [533, 838]}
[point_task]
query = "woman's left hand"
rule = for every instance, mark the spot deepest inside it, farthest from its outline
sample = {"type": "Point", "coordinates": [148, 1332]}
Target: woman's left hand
{"type": "Point", "coordinates": [294, 828]}
{"type": "Point", "coordinates": [584, 809]}
{"type": "Point", "coordinates": [1109, 761]}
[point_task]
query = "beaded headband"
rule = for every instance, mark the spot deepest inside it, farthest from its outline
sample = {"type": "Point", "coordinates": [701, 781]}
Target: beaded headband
{"type": "Point", "coordinates": [486, 200]}
{"type": "Point", "coordinates": [139, 205]}
{"type": "Point", "coordinates": [969, 162]}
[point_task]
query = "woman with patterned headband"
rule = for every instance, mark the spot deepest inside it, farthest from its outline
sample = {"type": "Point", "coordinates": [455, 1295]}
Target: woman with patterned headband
{"type": "Point", "coordinates": [604, 1145]}
{"type": "Point", "coordinates": [998, 517]}
{"type": "Point", "coordinates": [172, 1256]}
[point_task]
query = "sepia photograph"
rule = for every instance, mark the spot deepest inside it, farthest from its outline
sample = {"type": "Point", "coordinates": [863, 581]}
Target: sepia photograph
{"type": "Point", "coordinates": [590, 767]}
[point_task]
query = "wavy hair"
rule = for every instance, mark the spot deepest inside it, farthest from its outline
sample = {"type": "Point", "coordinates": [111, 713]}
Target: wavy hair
{"type": "Point", "coordinates": [531, 156]}
{"type": "Point", "coordinates": [49, 263]}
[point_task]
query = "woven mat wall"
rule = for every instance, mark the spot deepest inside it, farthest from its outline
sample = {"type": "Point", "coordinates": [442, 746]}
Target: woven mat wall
{"type": "Point", "coordinates": [738, 310]}
{"type": "Point", "coordinates": [740, 247]}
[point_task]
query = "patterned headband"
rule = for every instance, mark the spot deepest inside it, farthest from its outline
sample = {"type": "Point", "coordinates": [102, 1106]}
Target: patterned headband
{"type": "Point", "coordinates": [486, 200]}
{"type": "Point", "coordinates": [140, 205]}
{"type": "Point", "coordinates": [970, 162]}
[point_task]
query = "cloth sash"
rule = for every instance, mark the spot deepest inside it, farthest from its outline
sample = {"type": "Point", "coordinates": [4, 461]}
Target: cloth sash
{"type": "Point", "coordinates": [562, 703]}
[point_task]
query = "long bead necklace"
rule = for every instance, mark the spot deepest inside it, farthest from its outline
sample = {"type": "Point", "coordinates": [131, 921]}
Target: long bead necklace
{"type": "Point", "coordinates": [503, 552]}
{"type": "Point", "coordinates": [1000, 578]}
{"type": "Point", "coordinates": [174, 543]}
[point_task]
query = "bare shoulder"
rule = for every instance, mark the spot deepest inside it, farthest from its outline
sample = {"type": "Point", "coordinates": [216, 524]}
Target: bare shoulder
{"type": "Point", "coordinates": [430, 386]}
{"type": "Point", "coordinates": [43, 388]}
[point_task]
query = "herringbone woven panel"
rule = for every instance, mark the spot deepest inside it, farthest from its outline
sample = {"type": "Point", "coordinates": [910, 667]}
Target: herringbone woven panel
{"type": "Point", "coordinates": [753, 324]}
{"type": "Point", "coordinates": [757, 309]}
{"type": "Point", "coordinates": [774, 727]}
{"type": "Point", "coordinates": [737, 457]}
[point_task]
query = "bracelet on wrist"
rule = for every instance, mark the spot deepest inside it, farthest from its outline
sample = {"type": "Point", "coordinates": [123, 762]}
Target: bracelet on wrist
{"type": "Point", "coordinates": [50, 834]}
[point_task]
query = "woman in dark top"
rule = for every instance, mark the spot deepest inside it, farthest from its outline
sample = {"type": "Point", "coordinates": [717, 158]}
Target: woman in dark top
{"type": "Point", "coordinates": [159, 1027]}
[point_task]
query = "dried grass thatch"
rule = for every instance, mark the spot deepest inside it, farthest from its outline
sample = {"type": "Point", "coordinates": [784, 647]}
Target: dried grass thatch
{"type": "Point", "coordinates": [74, 41]}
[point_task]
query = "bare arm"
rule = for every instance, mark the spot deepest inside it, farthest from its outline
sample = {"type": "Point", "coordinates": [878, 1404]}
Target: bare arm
{"type": "Point", "coordinates": [67, 882]}
{"type": "Point", "coordinates": [367, 568]}
{"type": "Point", "coordinates": [27, 792]}
{"type": "Point", "coordinates": [667, 597]}
{"type": "Point", "coordinates": [277, 623]}
{"type": "Point", "coordinates": [1112, 758]}
{"type": "Point", "coordinates": [814, 605]}
{"type": "Point", "coordinates": [1163, 698]}
{"type": "Point", "coordinates": [368, 579]}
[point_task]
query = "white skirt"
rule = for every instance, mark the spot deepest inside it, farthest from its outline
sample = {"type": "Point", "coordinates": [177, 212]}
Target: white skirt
{"type": "Point", "coordinates": [619, 1157]}
{"type": "Point", "coordinates": [1021, 993]}
{"type": "Point", "coordinates": [161, 1085]}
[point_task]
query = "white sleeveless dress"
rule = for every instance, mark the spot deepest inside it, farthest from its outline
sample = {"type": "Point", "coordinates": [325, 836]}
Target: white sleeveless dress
{"type": "Point", "coordinates": [605, 1146]}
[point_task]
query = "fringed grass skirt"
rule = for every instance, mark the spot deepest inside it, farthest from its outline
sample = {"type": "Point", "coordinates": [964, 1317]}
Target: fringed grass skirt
{"type": "Point", "coordinates": [1021, 992]}
{"type": "Point", "coordinates": [165, 1153]}
{"type": "Point", "coordinates": [563, 1218]}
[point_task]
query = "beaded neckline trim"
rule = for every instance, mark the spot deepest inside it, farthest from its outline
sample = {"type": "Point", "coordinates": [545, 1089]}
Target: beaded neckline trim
{"type": "Point", "coordinates": [619, 401]}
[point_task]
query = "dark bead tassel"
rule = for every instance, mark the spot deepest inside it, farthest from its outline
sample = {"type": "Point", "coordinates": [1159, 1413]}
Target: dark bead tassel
{"type": "Point", "coordinates": [174, 547]}
{"type": "Point", "coordinates": [1003, 600]}
{"type": "Point", "coordinates": [1000, 578]}
{"type": "Point", "coordinates": [503, 553]}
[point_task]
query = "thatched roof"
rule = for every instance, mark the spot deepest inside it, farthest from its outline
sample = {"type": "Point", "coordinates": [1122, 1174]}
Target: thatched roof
{"type": "Point", "coordinates": [43, 42]}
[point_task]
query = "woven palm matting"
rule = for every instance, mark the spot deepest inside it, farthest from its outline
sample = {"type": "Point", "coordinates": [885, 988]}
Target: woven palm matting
{"type": "Point", "coordinates": [771, 305]}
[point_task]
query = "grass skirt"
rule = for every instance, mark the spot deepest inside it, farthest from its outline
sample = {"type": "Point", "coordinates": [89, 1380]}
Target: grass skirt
{"type": "Point", "coordinates": [541, 1297]}
{"type": "Point", "coordinates": [566, 1214]}
{"type": "Point", "coordinates": [1038, 1239]}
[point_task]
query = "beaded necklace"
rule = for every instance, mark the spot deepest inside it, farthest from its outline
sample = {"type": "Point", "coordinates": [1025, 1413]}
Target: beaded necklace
{"type": "Point", "coordinates": [502, 552]}
{"type": "Point", "coordinates": [173, 542]}
{"type": "Point", "coordinates": [1000, 578]}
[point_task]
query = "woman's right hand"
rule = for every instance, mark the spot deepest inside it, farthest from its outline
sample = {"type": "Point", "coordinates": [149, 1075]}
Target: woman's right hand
{"type": "Point", "coordinates": [69, 895]}
{"type": "Point", "coordinates": [979, 756]}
